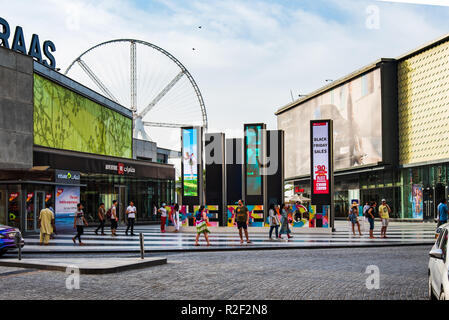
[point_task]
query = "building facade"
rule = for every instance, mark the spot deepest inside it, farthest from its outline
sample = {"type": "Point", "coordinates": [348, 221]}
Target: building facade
{"type": "Point", "coordinates": [63, 143]}
{"type": "Point", "coordinates": [390, 136]}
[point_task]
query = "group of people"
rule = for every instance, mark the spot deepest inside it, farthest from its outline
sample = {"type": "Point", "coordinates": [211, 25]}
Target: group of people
{"type": "Point", "coordinates": [370, 211]}
{"type": "Point", "coordinates": [175, 217]}
{"type": "Point", "coordinates": [275, 223]}
{"type": "Point", "coordinates": [242, 219]}
{"type": "Point", "coordinates": [80, 221]}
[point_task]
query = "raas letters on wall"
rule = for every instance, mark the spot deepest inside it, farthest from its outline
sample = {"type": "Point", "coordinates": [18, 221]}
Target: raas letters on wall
{"type": "Point", "coordinates": [18, 44]}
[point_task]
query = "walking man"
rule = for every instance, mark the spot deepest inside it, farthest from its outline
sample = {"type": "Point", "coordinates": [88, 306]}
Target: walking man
{"type": "Point", "coordinates": [102, 218]}
{"type": "Point", "coordinates": [131, 212]}
{"type": "Point", "coordinates": [163, 213]}
{"type": "Point", "coordinates": [79, 224]}
{"type": "Point", "coordinates": [242, 220]}
{"type": "Point", "coordinates": [46, 224]}
{"type": "Point", "coordinates": [384, 212]}
{"type": "Point", "coordinates": [442, 212]}
{"type": "Point", "coordinates": [114, 218]}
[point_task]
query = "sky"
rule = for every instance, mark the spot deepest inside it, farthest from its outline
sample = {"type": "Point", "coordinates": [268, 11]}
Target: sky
{"type": "Point", "coordinates": [249, 55]}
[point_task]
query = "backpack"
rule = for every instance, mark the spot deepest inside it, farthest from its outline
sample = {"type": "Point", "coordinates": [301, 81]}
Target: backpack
{"type": "Point", "coordinates": [198, 216]}
{"type": "Point", "coordinates": [109, 213]}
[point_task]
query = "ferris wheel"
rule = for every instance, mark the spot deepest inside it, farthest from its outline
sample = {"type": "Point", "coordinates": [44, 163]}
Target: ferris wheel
{"type": "Point", "coordinates": [149, 81]}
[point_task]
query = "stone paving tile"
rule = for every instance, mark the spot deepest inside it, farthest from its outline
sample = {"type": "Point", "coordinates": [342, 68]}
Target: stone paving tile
{"type": "Point", "coordinates": [286, 274]}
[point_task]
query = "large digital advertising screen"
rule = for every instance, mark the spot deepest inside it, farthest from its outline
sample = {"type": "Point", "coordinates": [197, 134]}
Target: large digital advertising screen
{"type": "Point", "coordinates": [320, 158]}
{"type": "Point", "coordinates": [190, 161]}
{"type": "Point", "coordinates": [66, 120]}
{"type": "Point", "coordinates": [355, 108]}
{"type": "Point", "coordinates": [253, 152]}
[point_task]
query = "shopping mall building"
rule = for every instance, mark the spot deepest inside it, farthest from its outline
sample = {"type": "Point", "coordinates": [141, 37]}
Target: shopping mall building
{"type": "Point", "coordinates": [63, 143]}
{"type": "Point", "coordinates": [391, 133]}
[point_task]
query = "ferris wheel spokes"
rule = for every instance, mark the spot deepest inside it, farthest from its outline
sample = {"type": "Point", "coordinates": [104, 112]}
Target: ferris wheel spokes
{"type": "Point", "coordinates": [96, 80]}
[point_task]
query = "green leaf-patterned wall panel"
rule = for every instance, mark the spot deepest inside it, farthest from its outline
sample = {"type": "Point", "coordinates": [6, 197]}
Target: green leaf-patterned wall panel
{"type": "Point", "coordinates": [66, 120]}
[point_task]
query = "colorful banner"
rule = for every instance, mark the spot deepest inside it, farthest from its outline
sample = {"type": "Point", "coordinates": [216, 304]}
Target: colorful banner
{"type": "Point", "coordinates": [255, 212]}
{"type": "Point", "coordinates": [190, 161]}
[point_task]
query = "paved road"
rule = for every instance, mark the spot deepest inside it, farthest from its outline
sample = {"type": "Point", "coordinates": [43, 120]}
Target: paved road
{"type": "Point", "coordinates": [398, 233]}
{"type": "Point", "coordinates": [282, 274]}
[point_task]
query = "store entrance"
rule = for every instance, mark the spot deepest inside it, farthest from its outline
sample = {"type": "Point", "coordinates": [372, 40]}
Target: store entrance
{"type": "Point", "coordinates": [122, 195]}
{"type": "Point", "coordinates": [429, 204]}
{"type": "Point", "coordinates": [35, 202]}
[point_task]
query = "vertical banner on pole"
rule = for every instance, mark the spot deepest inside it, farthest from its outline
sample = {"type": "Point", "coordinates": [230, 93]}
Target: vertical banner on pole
{"type": "Point", "coordinates": [234, 177]}
{"type": "Point", "coordinates": [253, 175]}
{"type": "Point", "coordinates": [274, 167]}
{"type": "Point", "coordinates": [216, 174]}
{"type": "Point", "coordinates": [192, 166]}
{"type": "Point", "coordinates": [253, 160]}
{"type": "Point", "coordinates": [322, 172]}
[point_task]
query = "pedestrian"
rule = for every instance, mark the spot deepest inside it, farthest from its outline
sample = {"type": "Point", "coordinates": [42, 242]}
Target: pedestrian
{"type": "Point", "coordinates": [46, 224]}
{"type": "Point", "coordinates": [366, 208]}
{"type": "Point", "coordinates": [384, 212]}
{"type": "Point", "coordinates": [131, 211]}
{"type": "Point", "coordinates": [298, 213]}
{"type": "Point", "coordinates": [163, 213]}
{"type": "Point", "coordinates": [285, 229]}
{"type": "Point", "coordinates": [242, 220]}
{"type": "Point", "coordinates": [201, 225]}
{"type": "Point", "coordinates": [353, 217]}
{"type": "Point", "coordinates": [176, 220]}
{"type": "Point", "coordinates": [79, 223]}
{"type": "Point", "coordinates": [101, 218]}
{"type": "Point", "coordinates": [53, 235]}
{"type": "Point", "coordinates": [442, 212]}
{"type": "Point", "coordinates": [114, 218]}
{"type": "Point", "coordinates": [273, 221]}
{"type": "Point", "coordinates": [370, 215]}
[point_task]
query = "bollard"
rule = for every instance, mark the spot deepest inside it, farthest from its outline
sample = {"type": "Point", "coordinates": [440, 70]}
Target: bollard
{"type": "Point", "coordinates": [18, 238]}
{"type": "Point", "coordinates": [142, 247]}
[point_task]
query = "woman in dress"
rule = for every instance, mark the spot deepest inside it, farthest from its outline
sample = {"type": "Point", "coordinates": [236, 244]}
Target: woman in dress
{"type": "Point", "coordinates": [353, 213]}
{"type": "Point", "coordinates": [176, 221]}
{"type": "Point", "coordinates": [285, 229]}
{"type": "Point", "coordinates": [201, 225]}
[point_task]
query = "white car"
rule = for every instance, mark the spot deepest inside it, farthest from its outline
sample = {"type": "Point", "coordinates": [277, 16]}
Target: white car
{"type": "Point", "coordinates": [439, 266]}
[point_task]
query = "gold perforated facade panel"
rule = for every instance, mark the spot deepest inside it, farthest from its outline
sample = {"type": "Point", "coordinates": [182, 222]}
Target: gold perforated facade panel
{"type": "Point", "coordinates": [423, 105]}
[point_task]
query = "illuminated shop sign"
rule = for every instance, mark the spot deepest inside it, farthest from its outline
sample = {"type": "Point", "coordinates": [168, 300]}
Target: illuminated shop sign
{"type": "Point", "coordinates": [120, 168]}
{"type": "Point", "coordinates": [68, 177]}
{"type": "Point", "coordinates": [17, 42]}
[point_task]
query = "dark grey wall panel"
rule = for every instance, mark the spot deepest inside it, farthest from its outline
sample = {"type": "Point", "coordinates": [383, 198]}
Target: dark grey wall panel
{"type": "Point", "coordinates": [16, 110]}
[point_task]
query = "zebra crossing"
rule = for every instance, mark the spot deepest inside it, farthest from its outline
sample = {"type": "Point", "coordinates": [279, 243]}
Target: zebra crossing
{"type": "Point", "coordinates": [398, 234]}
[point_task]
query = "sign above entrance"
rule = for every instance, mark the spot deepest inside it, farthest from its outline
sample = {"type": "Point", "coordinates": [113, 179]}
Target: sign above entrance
{"type": "Point", "coordinates": [120, 168]}
{"type": "Point", "coordinates": [18, 44]}
{"type": "Point", "coordinates": [67, 177]}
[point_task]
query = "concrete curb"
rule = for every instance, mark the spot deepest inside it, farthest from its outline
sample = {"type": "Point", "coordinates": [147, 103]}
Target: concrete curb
{"type": "Point", "coordinates": [148, 262]}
